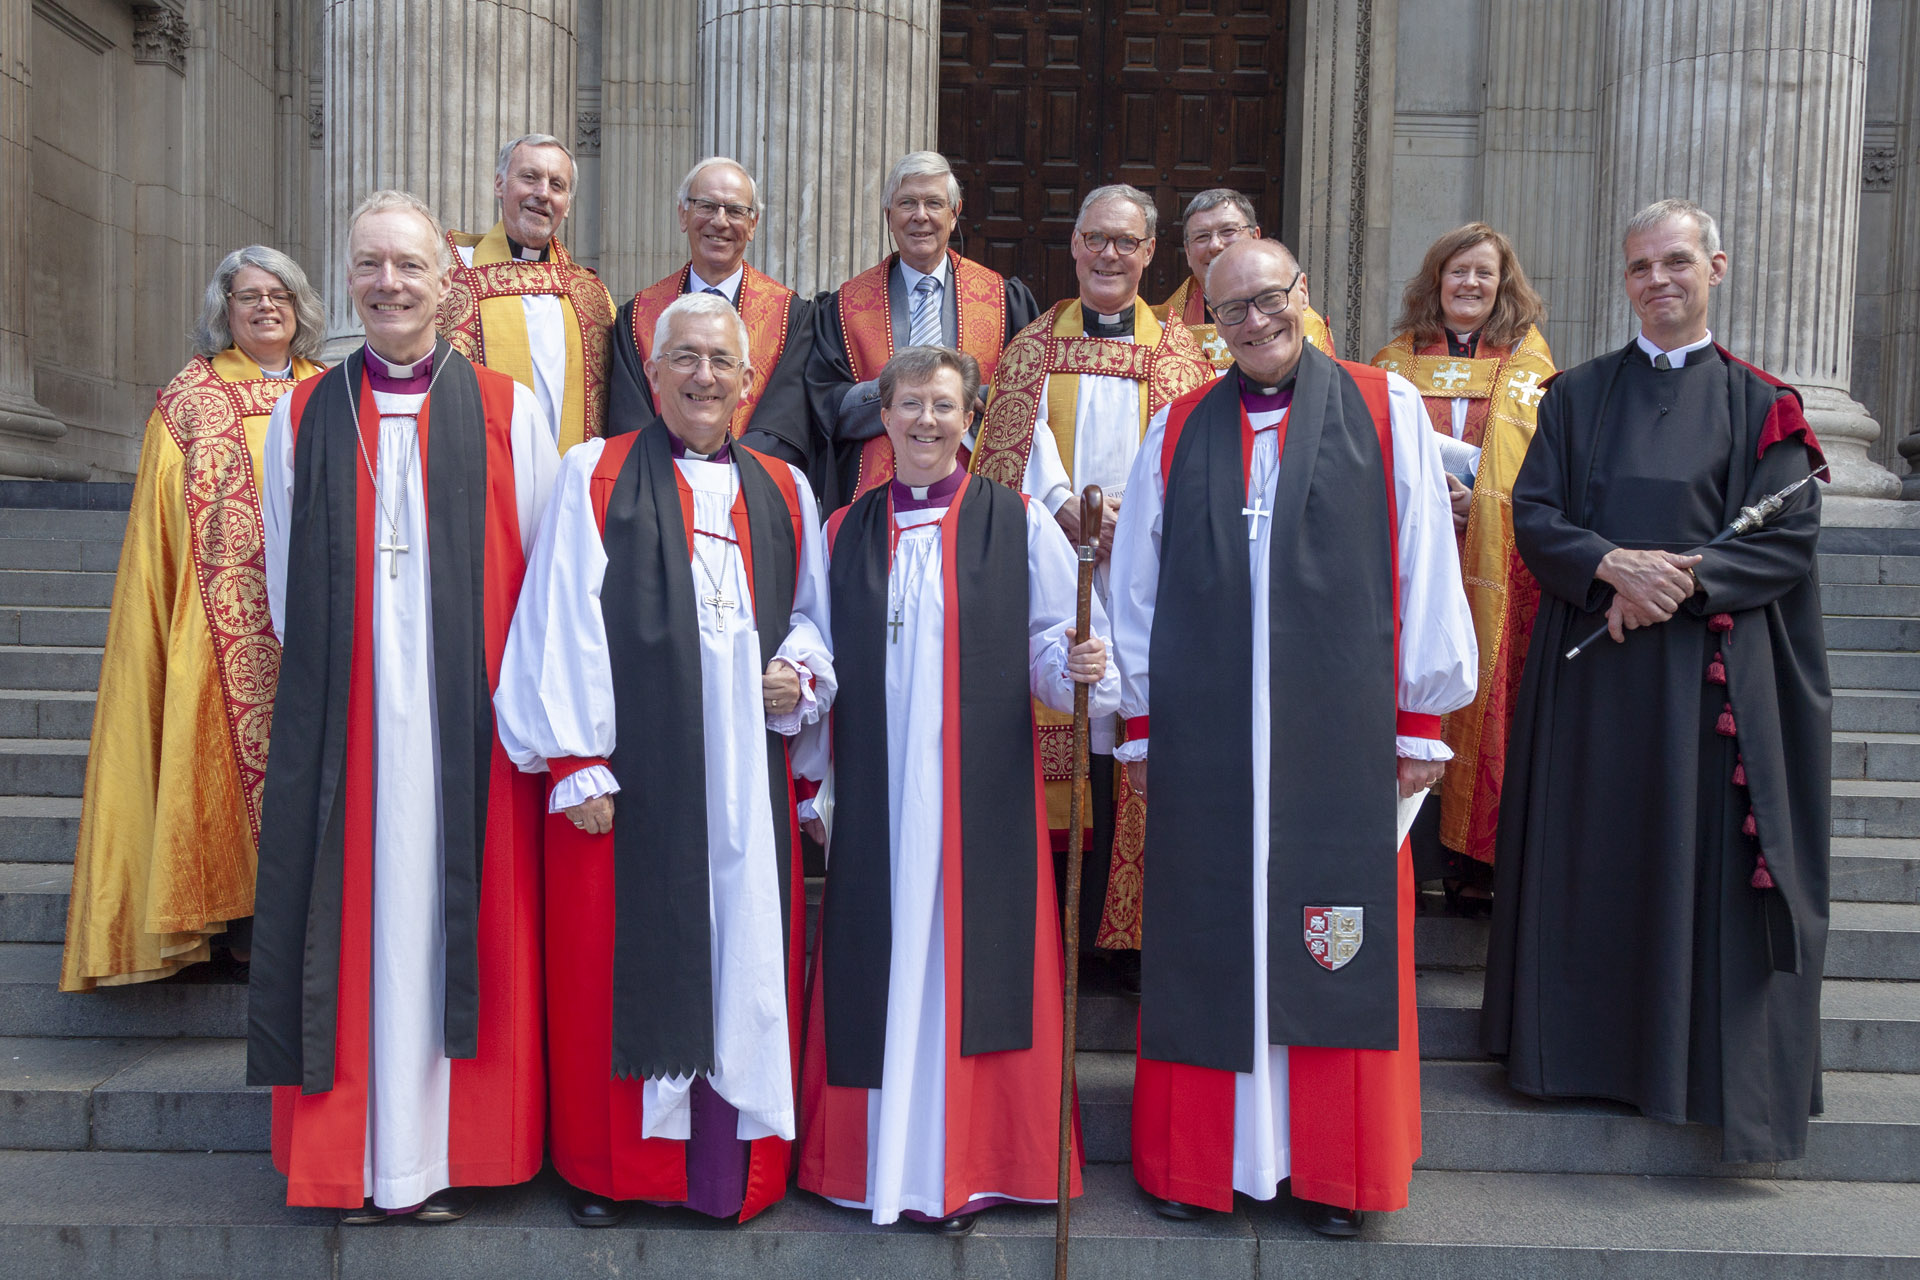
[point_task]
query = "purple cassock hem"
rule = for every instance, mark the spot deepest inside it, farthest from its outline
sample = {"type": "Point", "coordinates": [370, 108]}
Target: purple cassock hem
{"type": "Point", "coordinates": [716, 1158]}
{"type": "Point", "coordinates": [971, 1206]}
{"type": "Point", "coordinates": [939, 493]}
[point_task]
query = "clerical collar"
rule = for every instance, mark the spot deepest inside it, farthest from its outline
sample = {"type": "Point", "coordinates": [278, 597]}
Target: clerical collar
{"type": "Point", "coordinates": [1104, 326]}
{"type": "Point", "coordinates": [398, 379]}
{"type": "Point", "coordinates": [730, 286]}
{"type": "Point", "coordinates": [1267, 399]}
{"type": "Point", "coordinates": [723, 454]}
{"type": "Point", "coordinates": [938, 494]}
{"type": "Point", "coordinates": [521, 253]}
{"type": "Point", "coordinates": [1463, 345]}
{"type": "Point", "coordinates": [280, 374]}
{"type": "Point", "coordinates": [1678, 356]}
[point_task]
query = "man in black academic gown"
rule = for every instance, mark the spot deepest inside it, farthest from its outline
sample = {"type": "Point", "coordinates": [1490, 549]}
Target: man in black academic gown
{"type": "Point", "coordinates": [1660, 917]}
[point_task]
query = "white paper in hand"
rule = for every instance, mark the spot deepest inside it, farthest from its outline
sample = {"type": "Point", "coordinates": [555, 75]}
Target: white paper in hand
{"type": "Point", "coordinates": [1409, 810]}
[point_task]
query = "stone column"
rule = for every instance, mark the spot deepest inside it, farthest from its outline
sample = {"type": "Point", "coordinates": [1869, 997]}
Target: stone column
{"type": "Point", "coordinates": [1755, 109]}
{"type": "Point", "coordinates": [1896, 165]}
{"type": "Point", "coordinates": [1537, 161]}
{"type": "Point", "coordinates": [420, 94]}
{"type": "Point", "coordinates": [25, 425]}
{"type": "Point", "coordinates": [648, 134]}
{"type": "Point", "coordinates": [818, 98]}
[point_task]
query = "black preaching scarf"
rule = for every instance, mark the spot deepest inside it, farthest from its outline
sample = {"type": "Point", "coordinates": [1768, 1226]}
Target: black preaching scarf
{"type": "Point", "coordinates": [998, 837]}
{"type": "Point", "coordinates": [1333, 683]}
{"type": "Point", "coordinates": [293, 997]}
{"type": "Point", "coordinates": [662, 933]}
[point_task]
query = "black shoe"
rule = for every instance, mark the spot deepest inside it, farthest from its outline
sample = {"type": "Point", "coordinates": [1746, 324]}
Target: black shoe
{"type": "Point", "coordinates": [449, 1205]}
{"type": "Point", "coordinates": [366, 1215]}
{"type": "Point", "coordinates": [589, 1210]}
{"type": "Point", "coordinates": [1179, 1210]}
{"type": "Point", "coordinates": [961, 1224]}
{"type": "Point", "coordinates": [1332, 1220]}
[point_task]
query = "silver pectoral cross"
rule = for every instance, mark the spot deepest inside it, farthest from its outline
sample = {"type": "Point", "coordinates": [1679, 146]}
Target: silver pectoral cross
{"type": "Point", "coordinates": [394, 549]}
{"type": "Point", "coordinates": [720, 605]}
{"type": "Point", "coordinates": [1253, 515]}
{"type": "Point", "coordinates": [896, 622]}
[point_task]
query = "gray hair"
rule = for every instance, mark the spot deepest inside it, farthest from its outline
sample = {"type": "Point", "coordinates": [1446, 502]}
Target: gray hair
{"type": "Point", "coordinates": [1214, 197]}
{"type": "Point", "coordinates": [922, 164]}
{"type": "Point", "coordinates": [1662, 210]}
{"type": "Point", "coordinates": [535, 140]}
{"type": "Point", "coordinates": [700, 304]}
{"type": "Point", "coordinates": [388, 200]}
{"type": "Point", "coordinates": [213, 334]}
{"type": "Point", "coordinates": [1120, 191]}
{"type": "Point", "coordinates": [914, 366]}
{"type": "Point", "coordinates": [685, 193]}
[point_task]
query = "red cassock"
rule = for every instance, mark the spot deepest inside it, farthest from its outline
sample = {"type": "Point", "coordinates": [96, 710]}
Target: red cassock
{"type": "Point", "coordinates": [497, 1101]}
{"type": "Point", "coordinates": [596, 1118]}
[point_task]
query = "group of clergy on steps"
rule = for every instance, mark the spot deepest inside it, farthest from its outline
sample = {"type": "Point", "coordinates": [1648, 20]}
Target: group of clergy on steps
{"type": "Point", "coordinates": [465, 885]}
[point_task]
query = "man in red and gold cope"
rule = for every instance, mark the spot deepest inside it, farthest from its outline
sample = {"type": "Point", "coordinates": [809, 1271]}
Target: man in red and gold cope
{"type": "Point", "coordinates": [923, 294]}
{"type": "Point", "coordinates": [670, 709]}
{"type": "Point", "coordinates": [1290, 624]}
{"type": "Point", "coordinates": [518, 303]}
{"type": "Point", "coordinates": [1215, 219]}
{"type": "Point", "coordinates": [1071, 401]}
{"type": "Point", "coordinates": [396, 1001]}
{"type": "Point", "coordinates": [719, 210]}
{"type": "Point", "coordinates": [169, 818]}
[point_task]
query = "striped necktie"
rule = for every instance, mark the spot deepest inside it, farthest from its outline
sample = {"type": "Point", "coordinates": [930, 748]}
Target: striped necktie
{"type": "Point", "coordinates": [925, 329]}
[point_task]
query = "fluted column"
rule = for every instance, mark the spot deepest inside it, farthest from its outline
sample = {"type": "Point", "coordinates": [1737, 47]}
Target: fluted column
{"type": "Point", "coordinates": [1755, 109]}
{"type": "Point", "coordinates": [649, 132]}
{"type": "Point", "coordinates": [24, 424]}
{"type": "Point", "coordinates": [1537, 164]}
{"type": "Point", "coordinates": [818, 98]}
{"type": "Point", "coordinates": [1900, 356]}
{"type": "Point", "coordinates": [420, 94]}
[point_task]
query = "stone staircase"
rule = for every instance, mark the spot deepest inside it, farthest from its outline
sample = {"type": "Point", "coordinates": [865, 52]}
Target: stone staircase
{"type": "Point", "coordinates": [129, 1146]}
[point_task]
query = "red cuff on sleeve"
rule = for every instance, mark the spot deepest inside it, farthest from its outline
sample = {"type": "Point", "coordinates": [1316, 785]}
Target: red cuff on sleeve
{"type": "Point", "coordinates": [1411, 724]}
{"type": "Point", "coordinates": [1136, 728]}
{"type": "Point", "coordinates": [566, 766]}
{"type": "Point", "coordinates": [805, 788]}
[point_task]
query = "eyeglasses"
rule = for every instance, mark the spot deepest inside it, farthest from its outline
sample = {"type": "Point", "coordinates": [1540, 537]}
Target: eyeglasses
{"type": "Point", "coordinates": [1220, 235]}
{"type": "Point", "coordinates": [1271, 302]}
{"type": "Point", "coordinates": [907, 206]}
{"type": "Point", "coordinates": [711, 209]}
{"type": "Point", "coordinates": [1097, 242]}
{"type": "Point", "coordinates": [688, 361]}
{"type": "Point", "coordinates": [280, 298]}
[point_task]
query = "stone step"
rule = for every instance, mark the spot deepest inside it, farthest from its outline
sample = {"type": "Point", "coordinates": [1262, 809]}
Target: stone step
{"type": "Point", "coordinates": [1865, 870]}
{"type": "Point", "coordinates": [1840, 539]}
{"type": "Point", "coordinates": [1887, 757]}
{"type": "Point", "coordinates": [49, 666]}
{"type": "Point", "coordinates": [1876, 809]}
{"type": "Point", "coordinates": [1871, 600]}
{"type": "Point", "coordinates": [1876, 940]}
{"type": "Point", "coordinates": [1870, 669]}
{"type": "Point", "coordinates": [46, 713]}
{"type": "Point", "coordinates": [40, 587]}
{"type": "Point", "coordinates": [1900, 635]}
{"type": "Point", "coordinates": [74, 555]}
{"type": "Point", "coordinates": [53, 625]}
{"type": "Point", "coordinates": [188, 1004]}
{"type": "Point", "coordinates": [38, 828]}
{"type": "Point", "coordinates": [1876, 711]}
{"type": "Point", "coordinates": [33, 901]}
{"type": "Point", "coordinates": [130, 1095]}
{"type": "Point", "coordinates": [42, 766]}
{"type": "Point", "coordinates": [62, 524]}
{"type": "Point", "coordinates": [1869, 570]}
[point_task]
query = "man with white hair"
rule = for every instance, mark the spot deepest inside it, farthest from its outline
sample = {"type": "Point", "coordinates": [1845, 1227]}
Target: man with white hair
{"type": "Point", "coordinates": [1215, 219]}
{"type": "Point", "coordinates": [719, 208]}
{"type": "Point", "coordinates": [923, 294]}
{"type": "Point", "coordinates": [1070, 404]}
{"type": "Point", "coordinates": [663, 707]}
{"type": "Point", "coordinates": [395, 997]}
{"type": "Point", "coordinates": [521, 305]}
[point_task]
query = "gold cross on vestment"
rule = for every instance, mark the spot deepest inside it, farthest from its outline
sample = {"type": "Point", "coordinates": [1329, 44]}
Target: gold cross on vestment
{"type": "Point", "coordinates": [1451, 375]}
{"type": "Point", "coordinates": [1526, 388]}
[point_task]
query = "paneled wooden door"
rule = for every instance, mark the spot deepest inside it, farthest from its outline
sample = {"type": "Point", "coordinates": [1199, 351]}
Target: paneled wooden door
{"type": "Point", "coordinates": [1042, 100]}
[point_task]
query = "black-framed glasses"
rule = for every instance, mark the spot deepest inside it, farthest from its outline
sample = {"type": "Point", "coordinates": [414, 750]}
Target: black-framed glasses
{"type": "Point", "coordinates": [1271, 302]}
{"type": "Point", "coordinates": [711, 209]}
{"type": "Point", "coordinates": [1097, 241]}
{"type": "Point", "coordinates": [688, 361]}
{"type": "Point", "coordinates": [281, 298]}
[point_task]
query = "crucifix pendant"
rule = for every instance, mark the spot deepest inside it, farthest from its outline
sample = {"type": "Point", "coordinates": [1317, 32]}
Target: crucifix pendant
{"type": "Point", "coordinates": [896, 622]}
{"type": "Point", "coordinates": [1253, 514]}
{"type": "Point", "coordinates": [393, 549]}
{"type": "Point", "coordinates": [720, 605]}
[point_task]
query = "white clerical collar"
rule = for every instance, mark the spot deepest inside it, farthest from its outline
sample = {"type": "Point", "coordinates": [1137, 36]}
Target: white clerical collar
{"type": "Point", "coordinates": [942, 271]}
{"type": "Point", "coordinates": [1678, 356]}
{"type": "Point", "coordinates": [730, 286]}
{"type": "Point", "coordinates": [1108, 320]}
{"type": "Point", "coordinates": [278, 373]}
{"type": "Point", "coordinates": [418, 369]}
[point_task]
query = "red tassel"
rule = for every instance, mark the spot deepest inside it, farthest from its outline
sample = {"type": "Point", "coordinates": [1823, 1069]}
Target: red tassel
{"type": "Point", "coordinates": [1739, 775]}
{"type": "Point", "coordinates": [1724, 725]}
{"type": "Point", "coordinates": [1762, 878]}
{"type": "Point", "coordinates": [1749, 828]}
{"type": "Point", "coordinates": [1717, 670]}
{"type": "Point", "coordinates": [1720, 622]}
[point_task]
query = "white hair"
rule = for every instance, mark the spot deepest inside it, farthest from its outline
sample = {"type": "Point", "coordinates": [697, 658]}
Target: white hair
{"type": "Point", "coordinates": [1120, 191]}
{"type": "Point", "coordinates": [388, 200]}
{"type": "Point", "coordinates": [1662, 210]}
{"type": "Point", "coordinates": [922, 164]}
{"type": "Point", "coordinates": [213, 334]}
{"type": "Point", "coordinates": [685, 193]}
{"type": "Point", "coordinates": [699, 304]}
{"type": "Point", "coordinates": [535, 140]}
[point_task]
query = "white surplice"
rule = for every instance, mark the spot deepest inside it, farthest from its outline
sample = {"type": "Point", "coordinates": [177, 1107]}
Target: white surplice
{"type": "Point", "coordinates": [409, 1073]}
{"type": "Point", "coordinates": [906, 1118]}
{"type": "Point", "coordinates": [555, 701]}
{"type": "Point", "coordinates": [1439, 665]}
{"type": "Point", "coordinates": [546, 345]}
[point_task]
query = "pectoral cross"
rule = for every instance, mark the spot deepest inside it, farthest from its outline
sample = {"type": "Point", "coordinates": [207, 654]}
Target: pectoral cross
{"type": "Point", "coordinates": [1253, 515]}
{"type": "Point", "coordinates": [720, 605]}
{"type": "Point", "coordinates": [394, 549]}
{"type": "Point", "coordinates": [896, 622]}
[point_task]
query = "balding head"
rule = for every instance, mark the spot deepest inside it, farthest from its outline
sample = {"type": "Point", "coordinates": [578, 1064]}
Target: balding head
{"type": "Point", "coordinates": [1256, 291]}
{"type": "Point", "coordinates": [1271, 250]}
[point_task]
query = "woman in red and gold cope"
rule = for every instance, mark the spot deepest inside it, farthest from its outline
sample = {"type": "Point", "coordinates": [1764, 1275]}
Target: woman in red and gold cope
{"type": "Point", "coordinates": [170, 817]}
{"type": "Point", "coordinates": [1468, 338]}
